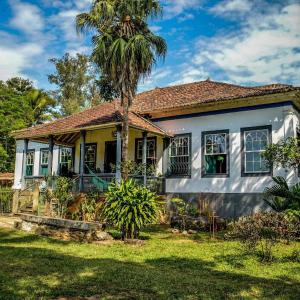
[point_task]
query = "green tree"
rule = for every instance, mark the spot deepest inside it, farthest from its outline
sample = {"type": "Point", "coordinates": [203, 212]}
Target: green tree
{"type": "Point", "coordinates": [78, 84]}
{"type": "Point", "coordinates": [19, 85]}
{"type": "Point", "coordinates": [285, 153]}
{"type": "Point", "coordinates": [20, 107]}
{"type": "Point", "coordinates": [124, 47]}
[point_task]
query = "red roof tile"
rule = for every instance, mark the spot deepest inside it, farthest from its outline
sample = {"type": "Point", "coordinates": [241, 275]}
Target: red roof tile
{"type": "Point", "coordinates": [109, 112]}
{"type": "Point", "coordinates": [159, 99]}
{"type": "Point", "coordinates": [198, 93]}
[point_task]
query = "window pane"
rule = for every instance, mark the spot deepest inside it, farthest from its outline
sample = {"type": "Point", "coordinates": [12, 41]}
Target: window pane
{"type": "Point", "coordinates": [179, 153]}
{"type": "Point", "coordinates": [44, 157]}
{"type": "Point", "coordinates": [90, 158]}
{"type": "Point", "coordinates": [215, 143]}
{"type": "Point", "coordinates": [216, 164]}
{"type": "Point", "coordinates": [249, 166]}
{"type": "Point", "coordinates": [44, 170]}
{"type": "Point", "coordinates": [249, 156]}
{"type": "Point", "coordinates": [256, 142]}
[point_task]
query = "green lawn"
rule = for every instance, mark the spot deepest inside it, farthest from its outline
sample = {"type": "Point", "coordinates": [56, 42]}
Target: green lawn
{"type": "Point", "coordinates": [167, 267]}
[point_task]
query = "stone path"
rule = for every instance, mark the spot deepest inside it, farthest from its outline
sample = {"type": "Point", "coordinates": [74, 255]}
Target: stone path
{"type": "Point", "coordinates": [7, 221]}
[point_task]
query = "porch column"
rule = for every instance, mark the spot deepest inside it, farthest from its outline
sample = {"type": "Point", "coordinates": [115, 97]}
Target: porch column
{"type": "Point", "coordinates": [118, 155]}
{"type": "Point", "coordinates": [166, 143]}
{"type": "Point", "coordinates": [144, 160]}
{"type": "Point", "coordinates": [82, 155]}
{"type": "Point", "coordinates": [50, 155]}
{"type": "Point", "coordinates": [24, 162]}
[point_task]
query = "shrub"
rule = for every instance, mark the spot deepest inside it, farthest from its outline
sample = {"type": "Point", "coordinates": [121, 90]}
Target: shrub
{"type": "Point", "coordinates": [260, 232]}
{"type": "Point", "coordinates": [62, 193]}
{"type": "Point", "coordinates": [91, 207]}
{"type": "Point", "coordinates": [282, 197]}
{"type": "Point", "coordinates": [129, 207]}
{"type": "Point", "coordinates": [183, 210]}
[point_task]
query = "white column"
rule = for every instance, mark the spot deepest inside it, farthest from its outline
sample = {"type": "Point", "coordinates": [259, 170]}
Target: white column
{"type": "Point", "coordinates": [118, 155]}
{"type": "Point", "coordinates": [82, 156]}
{"type": "Point", "coordinates": [144, 160]}
{"type": "Point", "coordinates": [24, 162]}
{"type": "Point", "coordinates": [50, 155]}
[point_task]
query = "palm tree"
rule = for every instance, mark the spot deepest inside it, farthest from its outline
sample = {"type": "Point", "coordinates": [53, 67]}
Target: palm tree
{"type": "Point", "coordinates": [124, 48]}
{"type": "Point", "coordinates": [41, 105]}
{"type": "Point", "coordinates": [281, 196]}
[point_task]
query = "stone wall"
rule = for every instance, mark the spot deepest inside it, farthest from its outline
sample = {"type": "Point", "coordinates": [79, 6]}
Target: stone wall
{"type": "Point", "coordinates": [63, 229]}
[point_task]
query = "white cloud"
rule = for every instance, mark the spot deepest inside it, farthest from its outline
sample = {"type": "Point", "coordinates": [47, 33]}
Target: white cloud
{"type": "Point", "coordinates": [15, 58]}
{"type": "Point", "coordinates": [155, 78]}
{"type": "Point", "coordinates": [266, 49]}
{"type": "Point", "coordinates": [229, 6]}
{"type": "Point", "coordinates": [174, 8]}
{"type": "Point", "coordinates": [27, 17]}
{"type": "Point", "coordinates": [155, 28]}
{"type": "Point", "coordinates": [190, 74]}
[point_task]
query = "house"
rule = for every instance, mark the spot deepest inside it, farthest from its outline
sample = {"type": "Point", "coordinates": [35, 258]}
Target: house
{"type": "Point", "coordinates": [205, 138]}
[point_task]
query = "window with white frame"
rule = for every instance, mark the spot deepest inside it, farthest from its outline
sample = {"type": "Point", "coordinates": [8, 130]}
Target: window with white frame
{"type": "Point", "coordinates": [179, 155]}
{"type": "Point", "coordinates": [215, 158]}
{"type": "Point", "coordinates": [255, 141]}
{"type": "Point", "coordinates": [44, 161]}
{"type": "Point", "coordinates": [151, 151]}
{"type": "Point", "coordinates": [65, 161]}
{"type": "Point", "coordinates": [29, 162]}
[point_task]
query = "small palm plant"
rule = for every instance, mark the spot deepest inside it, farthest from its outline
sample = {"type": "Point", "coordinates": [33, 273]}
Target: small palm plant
{"type": "Point", "coordinates": [129, 207]}
{"type": "Point", "coordinates": [282, 197]}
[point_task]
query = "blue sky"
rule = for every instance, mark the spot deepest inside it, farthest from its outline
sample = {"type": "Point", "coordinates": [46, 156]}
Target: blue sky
{"type": "Point", "coordinates": [246, 42]}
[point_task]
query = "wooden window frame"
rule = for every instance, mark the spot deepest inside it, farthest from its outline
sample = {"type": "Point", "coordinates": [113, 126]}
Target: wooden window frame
{"type": "Point", "coordinates": [254, 128]}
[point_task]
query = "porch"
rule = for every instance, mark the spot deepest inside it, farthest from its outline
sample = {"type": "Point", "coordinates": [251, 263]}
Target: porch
{"type": "Point", "coordinates": [92, 158]}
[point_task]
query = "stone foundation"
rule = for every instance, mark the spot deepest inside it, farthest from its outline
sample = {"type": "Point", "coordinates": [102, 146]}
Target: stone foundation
{"type": "Point", "coordinates": [63, 229]}
{"type": "Point", "coordinates": [226, 205]}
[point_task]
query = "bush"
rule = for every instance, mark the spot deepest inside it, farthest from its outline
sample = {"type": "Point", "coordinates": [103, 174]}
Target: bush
{"type": "Point", "coordinates": [260, 232]}
{"type": "Point", "coordinates": [282, 197]}
{"type": "Point", "coordinates": [62, 193]}
{"type": "Point", "coordinates": [129, 207]}
{"type": "Point", "coordinates": [183, 211]}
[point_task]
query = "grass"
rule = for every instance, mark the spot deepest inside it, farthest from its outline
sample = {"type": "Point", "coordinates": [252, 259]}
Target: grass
{"type": "Point", "coordinates": [168, 266]}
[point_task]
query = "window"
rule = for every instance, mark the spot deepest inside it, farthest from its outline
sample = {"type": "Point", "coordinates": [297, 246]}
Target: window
{"type": "Point", "coordinates": [44, 161]}
{"type": "Point", "coordinates": [179, 156]}
{"type": "Point", "coordinates": [151, 151]}
{"type": "Point", "coordinates": [254, 142]}
{"type": "Point", "coordinates": [29, 162]}
{"type": "Point", "coordinates": [90, 158]}
{"type": "Point", "coordinates": [65, 161]}
{"type": "Point", "coordinates": [215, 150]}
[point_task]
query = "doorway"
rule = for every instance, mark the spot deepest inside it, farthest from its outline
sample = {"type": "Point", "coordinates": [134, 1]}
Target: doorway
{"type": "Point", "coordinates": [110, 156]}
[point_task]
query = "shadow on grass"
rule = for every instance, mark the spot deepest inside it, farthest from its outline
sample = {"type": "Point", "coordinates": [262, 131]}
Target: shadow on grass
{"type": "Point", "coordinates": [34, 273]}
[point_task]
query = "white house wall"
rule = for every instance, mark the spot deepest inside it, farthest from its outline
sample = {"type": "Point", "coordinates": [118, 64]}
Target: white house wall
{"type": "Point", "coordinates": [282, 120]}
{"type": "Point", "coordinates": [36, 168]}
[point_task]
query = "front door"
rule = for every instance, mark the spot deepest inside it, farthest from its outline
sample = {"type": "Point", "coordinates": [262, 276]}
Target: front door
{"type": "Point", "coordinates": [110, 155]}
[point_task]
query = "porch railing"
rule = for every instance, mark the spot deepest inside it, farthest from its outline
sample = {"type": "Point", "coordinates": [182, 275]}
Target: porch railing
{"type": "Point", "coordinates": [155, 184]}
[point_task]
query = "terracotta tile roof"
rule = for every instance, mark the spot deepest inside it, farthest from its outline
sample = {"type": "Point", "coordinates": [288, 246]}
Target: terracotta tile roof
{"type": "Point", "coordinates": [198, 93]}
{"type": "Point", "coordinates": [159, 99]}
{"type": "Point", "coordinates": [102, 114]}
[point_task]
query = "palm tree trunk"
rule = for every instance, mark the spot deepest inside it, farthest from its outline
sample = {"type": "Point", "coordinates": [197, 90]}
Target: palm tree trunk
{"type": "Point", "coordinates": [125, 138]}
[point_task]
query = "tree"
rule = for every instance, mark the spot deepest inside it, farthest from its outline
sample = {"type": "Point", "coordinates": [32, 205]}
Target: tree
{"type": "Point", "coordinates": [20, 107]}
{"type": "Point", "coordinates": [19, 85]}
{"type": "Point", "coordinates": [41, 105]}
{"type": "Point", "coordinates": [124, 47]}
{"type": "Point", "coordinates": [71, 77]}
{"type": "Point", "coordinates": [78, 84]}
{"type": "Point", "coordinates": [285, 153]}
